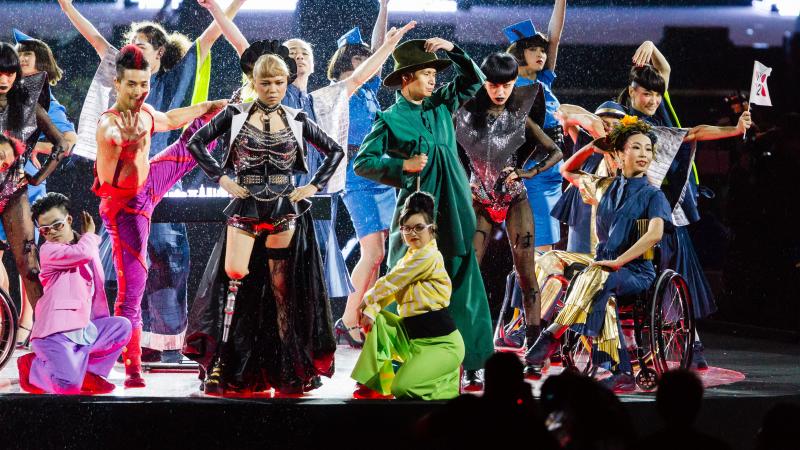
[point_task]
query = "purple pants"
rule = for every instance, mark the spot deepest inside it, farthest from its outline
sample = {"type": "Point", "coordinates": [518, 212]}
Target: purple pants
{"type": "Point", "coordinates": [126, 216]}
{"type": "Point", "coordinates": [60, 364]}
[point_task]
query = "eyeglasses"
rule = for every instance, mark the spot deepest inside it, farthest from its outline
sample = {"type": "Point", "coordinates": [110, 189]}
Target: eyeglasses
{"type": "Point", "coordinates": [55, 226]}
{"type": "Point", "coordinates": [416, 229]}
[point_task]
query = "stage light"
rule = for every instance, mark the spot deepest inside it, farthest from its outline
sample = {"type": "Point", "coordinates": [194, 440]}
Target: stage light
{"type": "Point", "coordinates": [423, 5]}
{"type": "Point", "coordinates": [783, 7]}
{"type": "Point", "coordinates": [291, 5]}
{"type": "Point", "coordinates": [252, 5]}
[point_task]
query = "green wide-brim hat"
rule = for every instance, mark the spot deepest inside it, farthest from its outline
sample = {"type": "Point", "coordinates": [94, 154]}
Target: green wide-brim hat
{"type": "Point", "coordinates": [411, 56]}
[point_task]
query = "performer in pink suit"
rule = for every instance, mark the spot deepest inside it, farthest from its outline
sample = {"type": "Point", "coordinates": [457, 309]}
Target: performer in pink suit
{"type": "Point", "coordinates": [130, 186]}
{"type": "Point", "coordinates": [74, 340]}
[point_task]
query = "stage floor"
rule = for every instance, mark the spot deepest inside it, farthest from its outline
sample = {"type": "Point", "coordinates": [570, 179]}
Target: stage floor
{"type": "Point", "coordinates": [749, 378]}
{"type": "Point", "coordinates": [740, 367]}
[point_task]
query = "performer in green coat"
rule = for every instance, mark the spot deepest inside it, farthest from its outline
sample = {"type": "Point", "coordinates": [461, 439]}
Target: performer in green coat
{"type": "Point", "coordinates": [412, 147]}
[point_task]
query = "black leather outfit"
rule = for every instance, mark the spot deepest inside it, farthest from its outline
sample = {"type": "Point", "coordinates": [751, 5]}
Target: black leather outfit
{"type": "Point", "coordinates": [264, 162]}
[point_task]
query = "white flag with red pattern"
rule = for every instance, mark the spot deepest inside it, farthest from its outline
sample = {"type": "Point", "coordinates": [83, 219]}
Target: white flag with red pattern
{"type": "Point", "coordinates": [759, 93]}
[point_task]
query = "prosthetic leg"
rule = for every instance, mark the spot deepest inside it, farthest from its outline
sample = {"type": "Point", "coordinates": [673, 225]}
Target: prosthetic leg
{"type": "Point", "coordinates": [213, 384]}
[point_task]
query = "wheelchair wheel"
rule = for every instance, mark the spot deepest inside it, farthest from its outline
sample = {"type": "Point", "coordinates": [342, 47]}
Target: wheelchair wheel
{"type": "Point", "coordinates": [8, 328]}
{"type": "Point", "coordinates": [671, 323]}
{"type": "Point", "coordinates": [576, 351]}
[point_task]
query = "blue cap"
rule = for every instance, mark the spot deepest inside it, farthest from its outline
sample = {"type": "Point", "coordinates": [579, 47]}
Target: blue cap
{"type": "Point", "coordinates": [521, 30]}
{"type": "Point", "coordinates": [352, 37]}
{"type": "Point", "coordinates": [610, 108]}
{"type": "Point", "coordinates": [19, 36]}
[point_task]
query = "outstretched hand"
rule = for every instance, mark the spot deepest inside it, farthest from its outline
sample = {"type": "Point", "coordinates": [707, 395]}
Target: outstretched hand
{"type": "Point", "coordinates": [394, 34]}
{"type": "Point", "coordinates": [432, 45]}
{"type": "Point", "coordinates": [130, 127]}
{"type": "Point", "coordinates": [644, 54]}
{"type": "Point", "coordinates": [214, 107]}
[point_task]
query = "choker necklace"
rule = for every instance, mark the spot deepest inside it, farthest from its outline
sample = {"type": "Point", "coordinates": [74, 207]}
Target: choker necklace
{"type": "Point", "coordinates": [267, 109]}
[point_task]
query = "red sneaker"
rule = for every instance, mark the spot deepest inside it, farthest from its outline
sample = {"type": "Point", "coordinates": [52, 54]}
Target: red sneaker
{"type": "Point", "coordinates": [24, 365]}
{"type": "Point", "coordinates": [132, 357]}
{"type": "Point", "coordinates": [95, 384]}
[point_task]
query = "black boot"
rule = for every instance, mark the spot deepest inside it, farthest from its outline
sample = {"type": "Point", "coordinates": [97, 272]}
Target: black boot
{"type": "Point", "coordinates": [532, 333]}
{"type": "Point", "coordinates": [213, 384]}
{"type": "Point", "coordinates": [536, 355]}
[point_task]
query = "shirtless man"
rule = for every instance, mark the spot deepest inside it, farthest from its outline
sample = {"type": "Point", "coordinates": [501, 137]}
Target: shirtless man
{"type": "Point", "coordinates": [130, 185]}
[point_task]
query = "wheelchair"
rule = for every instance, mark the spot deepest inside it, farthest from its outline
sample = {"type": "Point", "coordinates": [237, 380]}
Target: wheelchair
{"type": "Point", "coordinates": [658, 329]}
{"type": "Point", "coordinates": [658, 325]}
{"type": "Point", "coordinates": [8, 327]}
{"type": "Point", "coordinates": [512, 317]}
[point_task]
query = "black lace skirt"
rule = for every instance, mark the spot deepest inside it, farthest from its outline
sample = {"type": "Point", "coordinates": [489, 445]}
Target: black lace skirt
{"type": "Point", "coordinates": [287, 349]}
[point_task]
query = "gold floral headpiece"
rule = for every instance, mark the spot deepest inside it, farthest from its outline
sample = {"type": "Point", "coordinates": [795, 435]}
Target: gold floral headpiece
{"type": "Point", "coordinates": [628, 120]}
{"type": "Point", "coordinates": [628, 126]}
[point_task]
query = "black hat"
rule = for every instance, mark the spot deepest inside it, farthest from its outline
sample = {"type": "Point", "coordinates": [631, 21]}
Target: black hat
{"type": "Point", "coordinates": [259, 48]}
{"type": "Point", "coordinates": [411, 56]}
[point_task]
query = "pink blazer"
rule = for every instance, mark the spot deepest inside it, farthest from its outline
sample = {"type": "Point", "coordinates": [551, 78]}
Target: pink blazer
{"type": "Point", "coordinates": [67, 274]}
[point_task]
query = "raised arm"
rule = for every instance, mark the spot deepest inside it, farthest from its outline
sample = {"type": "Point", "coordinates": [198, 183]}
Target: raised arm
{"type": "Point", "coordinates": [179, 117]}
{"type": "Point", "coordinates": [554, 30]}
{"type": "Point", "coordinates": [468, 77]}
{"type": "Point", "coordinates": [367, 69]}
{"type": "Point", "coordinates": [85, 28]}
{"type": "Point", "coordinates": [573, 116]}
{"type": "Point", "coordinates": [648, 53]}
{"type": "Point", "coordinates": [224, 24]}
{"type": "Point", "coordinates": [571, 169]}
{"type": "Point", "coordinates": [712, 133]}
{"type": "Point", "coordinates": [379, 30]}
{"type": "Point", "coordinates": [215, 30]}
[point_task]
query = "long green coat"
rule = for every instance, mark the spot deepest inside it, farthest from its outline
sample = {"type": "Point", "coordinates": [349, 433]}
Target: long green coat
{"type": "Point", "coordinates": [406, 129]}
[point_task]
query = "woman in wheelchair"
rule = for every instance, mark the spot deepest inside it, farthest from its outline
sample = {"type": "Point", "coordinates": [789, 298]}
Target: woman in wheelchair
{"type": "Point", "coordinates": [619, 268]}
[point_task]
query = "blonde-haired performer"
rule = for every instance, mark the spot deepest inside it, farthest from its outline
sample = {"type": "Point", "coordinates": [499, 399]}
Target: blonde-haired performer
{"type": "Point", "coordinates": [280, 336]}
{"type": "Point", "coordinates": [330, 107]}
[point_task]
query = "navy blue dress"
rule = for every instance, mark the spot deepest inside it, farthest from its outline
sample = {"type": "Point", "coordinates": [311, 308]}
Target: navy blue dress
{"type": "Point", "coordinates": [626, 201]}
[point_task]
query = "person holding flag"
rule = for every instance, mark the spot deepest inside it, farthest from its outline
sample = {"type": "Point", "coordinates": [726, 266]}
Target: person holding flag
{"type": "Point", "coordinates": [645, 97]}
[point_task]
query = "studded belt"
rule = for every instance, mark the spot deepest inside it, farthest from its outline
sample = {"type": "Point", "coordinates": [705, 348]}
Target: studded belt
{"type": "Point", "coordinates": [247, 180]}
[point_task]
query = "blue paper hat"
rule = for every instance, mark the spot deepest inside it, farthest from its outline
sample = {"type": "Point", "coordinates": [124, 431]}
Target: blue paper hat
{"type": "Point", "coordinates": [521, 30]}
{"type": "Point", "coordinates": [19, 36]}
{"type": "Point", "coordinates": [610, 108]}
{"type": "Point", "coordinates": [352, 37]}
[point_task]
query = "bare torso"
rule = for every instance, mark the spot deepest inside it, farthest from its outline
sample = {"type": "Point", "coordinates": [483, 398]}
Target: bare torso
{"type": "Point", "coordinates": [123, 168]}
